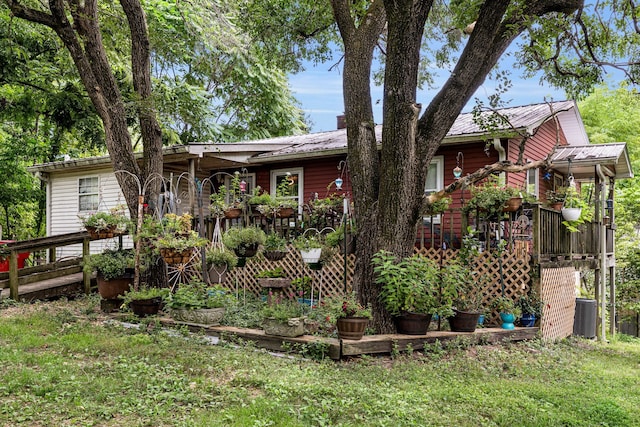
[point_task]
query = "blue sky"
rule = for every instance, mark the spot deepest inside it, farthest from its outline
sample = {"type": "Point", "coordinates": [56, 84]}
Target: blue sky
{"type": "Point", "coordinates": [319, 90]}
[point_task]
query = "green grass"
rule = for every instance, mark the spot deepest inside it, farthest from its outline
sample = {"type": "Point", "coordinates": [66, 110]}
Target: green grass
{"type": "Point", "coordinates": [61, 364]}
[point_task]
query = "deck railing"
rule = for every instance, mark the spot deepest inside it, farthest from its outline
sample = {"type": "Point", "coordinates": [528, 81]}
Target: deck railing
{"type": "Point", "coordinates": [52, 268]}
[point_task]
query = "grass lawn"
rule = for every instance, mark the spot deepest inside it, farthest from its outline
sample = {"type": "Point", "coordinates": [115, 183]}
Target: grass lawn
{"type": "Point", "coordinates": [61, 364]}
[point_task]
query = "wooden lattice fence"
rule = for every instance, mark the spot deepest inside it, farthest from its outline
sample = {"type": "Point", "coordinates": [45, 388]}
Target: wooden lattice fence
{"type": "Point", "coordinates": [558, 291]}
{"type": "Point", "coordinates": [512, 274]}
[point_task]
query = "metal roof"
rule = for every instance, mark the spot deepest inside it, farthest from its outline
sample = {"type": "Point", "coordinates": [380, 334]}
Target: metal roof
{"type": "Point", "coordinates": [580, 161]}
{"type": "Point", "coordinates": [527, 118]}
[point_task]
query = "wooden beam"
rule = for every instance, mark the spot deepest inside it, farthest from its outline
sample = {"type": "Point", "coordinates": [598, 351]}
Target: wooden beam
{"type": "Point", "coordinates": [13, 275]}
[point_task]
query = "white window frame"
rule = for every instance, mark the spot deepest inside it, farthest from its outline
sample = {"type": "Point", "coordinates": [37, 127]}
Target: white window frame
{"type": "Point", "coordinates": [439, 162]}
{"type": "Point", "coordinates": [273, 180]}
{"type": "Point", "coordinates": [536, 182]}
{"type": "Point", "coordinates": [96, 193]}
{"type": "Point", "coordinates": [249, 178]}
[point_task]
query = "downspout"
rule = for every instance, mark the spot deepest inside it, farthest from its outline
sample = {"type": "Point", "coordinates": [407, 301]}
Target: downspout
{"type": "Point", "coordinates": [603, 253]}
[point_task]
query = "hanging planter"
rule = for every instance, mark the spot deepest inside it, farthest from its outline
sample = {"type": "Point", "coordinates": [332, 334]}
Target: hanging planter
{"type": "Point", "coordinates": [311, 256]}
{"type": "Point", "coordinates": [512, 205]}
{"type": "Point", "coordinates": [571, 214]}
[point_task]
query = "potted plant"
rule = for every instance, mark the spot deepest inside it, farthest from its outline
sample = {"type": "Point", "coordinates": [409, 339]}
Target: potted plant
{"type": "Point", "coordinates": [283, 204]}
{"type": "Point", "coordinates": [178, 248]}
{"type": "Point", "coordinates": [244, 241]}
{"type": "Point", "coordinates": [494, 199]}
{"type": "Point", "coordinates": [275, 247]}
{"type": "Point", "coordinates": [114, 271]}
{"type": "Point", "coordinates": [508, 310]}
{"type": "Point", "coordinates": [467, 297]}
{"type": "Point", "coordinates": [410, 288]}
{"type": "Point", "coordinates": [227, 203]}
{"type": "Point", "coordinates": [195, 302]}
{"type": "Point", "coordinates": [220, 261]}
{"type": "Point", "coordinates": [104, 225]}
{"type": "Point", "coordinates": [283, 317]}
{"type": "Point", "coordinates": [145, 301]}
{"type": "Point", "coordinates": [336, 239]}
{"type": "Point", "coordinates": [555, 198]}
{"type": "Point", "coordinates": [575, 210]}
{"type": "Point", "coordinates": [351, 318]}
{"type": "Point", "coordinates": [531, 308]}
{"type": "Point", "coordinates": [310, 247]}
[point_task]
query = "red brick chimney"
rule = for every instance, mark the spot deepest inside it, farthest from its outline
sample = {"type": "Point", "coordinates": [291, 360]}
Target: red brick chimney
{"type": "Point", "coordinates": [342, 122]}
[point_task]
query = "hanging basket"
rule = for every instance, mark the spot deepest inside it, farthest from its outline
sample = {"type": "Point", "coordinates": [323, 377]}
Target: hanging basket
{"type": "Point", "coordinates": [285, 212]}
{"type": "Point", "coordinates": [274, 255]}
{"type": "Point", "coordinates": [232, 213]}
{"type": "Point", "coordinates": [174, 256]}
{"type": "Point", "coordinates": [311, 256]}
{"type": "Point", "coordinates": [571, 214]}
{"type": "Point", "coordinates": [512, 205]}
{"type": "Point", "coordinates": [103, 233]}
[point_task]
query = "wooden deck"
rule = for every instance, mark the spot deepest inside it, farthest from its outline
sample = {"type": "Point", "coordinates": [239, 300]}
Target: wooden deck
{"type": "Point", "coordinates": [369, 344]}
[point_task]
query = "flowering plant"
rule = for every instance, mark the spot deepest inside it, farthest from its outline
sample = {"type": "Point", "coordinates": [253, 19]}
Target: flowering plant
{"type": "Point", "coordinates": [340, 306]}
{"type": "Point", "coordinates": [114, 220]}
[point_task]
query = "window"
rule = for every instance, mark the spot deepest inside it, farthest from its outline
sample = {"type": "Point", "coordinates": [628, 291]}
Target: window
{"type": "Point", "coordinates": [532, 182]}
{"type": "Point", "coordinates": [435, 182]}
{"type": "Point", "coordinates": [435, 175]}
{"type": "Point", "coordinates": [88, 194]}
{"type": "Point", "coordinates": [294, 178]}
{"type": "Point", "coordinates": [249, 179]}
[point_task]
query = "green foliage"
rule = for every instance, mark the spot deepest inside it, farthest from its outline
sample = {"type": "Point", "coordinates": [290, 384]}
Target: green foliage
{"type": "Point", "coordinates": [282, 308]}
{"type": "Point", "coordinates": [143, 293]}
{"type": "Point", "coordinates": [275, 242]}
{"type": "Point", "coordinates": [573, 199]}
{"type": "Point", "coordinates": [490, 197]}
{"type": "Point", "coordinates": [195, 295]}
{"type": "Point", "coordinates": [531, 304]}
{"type": "Point", "coordinates": [221, 257]}
{"type": "Point", "coordinates": [277, 272]}
{"type": "Point", "coordinates": [181, 241]}
{"type": "Point", "coordinates": [307, 241]}
{"type": "Point", "coordinates": [462, 285]}
{"type": "Point", "coordinates": [115, 219]}
{"type": "Point", "coordinates": [235, 238]}
{"type": "Point", "coordinates": [111, 264]}
{"type": "Point", "coordinates": [410, 284]}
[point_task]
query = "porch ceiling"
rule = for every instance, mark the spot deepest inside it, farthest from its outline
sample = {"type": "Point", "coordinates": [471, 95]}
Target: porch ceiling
{"type": "Point", "coordinates": [583, 160]}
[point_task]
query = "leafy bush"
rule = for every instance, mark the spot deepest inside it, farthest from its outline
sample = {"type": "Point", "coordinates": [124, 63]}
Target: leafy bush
{"type": "Point", "coordinates": [197, 295]}
{"type": "Point", "coordinates": [409, 284]}
{"type": "Point", "coordinates": [111, 264]}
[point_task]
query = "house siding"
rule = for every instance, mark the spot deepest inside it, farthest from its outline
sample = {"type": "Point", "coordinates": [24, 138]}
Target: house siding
{"type": "Point", "coordinates": [63, 207]}
{"type": "Point", "coordinates": [537, 148]}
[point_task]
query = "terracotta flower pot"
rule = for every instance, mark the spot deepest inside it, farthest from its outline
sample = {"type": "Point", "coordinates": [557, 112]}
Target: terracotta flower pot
{"type": "Point", "coordinates": [114, 288]}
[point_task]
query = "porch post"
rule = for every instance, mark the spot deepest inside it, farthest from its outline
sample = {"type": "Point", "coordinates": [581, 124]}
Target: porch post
{"type": "Point", "coordinates": [13, 275]}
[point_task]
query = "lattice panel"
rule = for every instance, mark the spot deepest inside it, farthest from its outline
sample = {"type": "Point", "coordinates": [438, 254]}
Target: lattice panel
{"type": "Point", "coordinates": [515, 270]}
{"type": "Point", "coordinates": [328, 281]}
{"type": "Point", "coordinates": [558, 291]}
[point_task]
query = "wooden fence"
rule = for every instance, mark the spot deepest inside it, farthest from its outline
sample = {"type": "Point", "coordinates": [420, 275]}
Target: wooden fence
{"type": "Point", "coordinates": [509, 274]}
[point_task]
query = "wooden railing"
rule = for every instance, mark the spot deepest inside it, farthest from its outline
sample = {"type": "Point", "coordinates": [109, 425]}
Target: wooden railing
{"type": "Point", "coordinates": [53, 268]}
{"type": "Point", "coordinates": [551, 239]}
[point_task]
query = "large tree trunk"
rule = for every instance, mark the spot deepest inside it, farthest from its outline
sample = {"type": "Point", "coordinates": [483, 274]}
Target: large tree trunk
{"type": "Point", "coordinates": [362, 148]}
{"type": "Point", "coordinates": [82, 38]}
{"type": "Point", "coordinates": [388, 193]}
